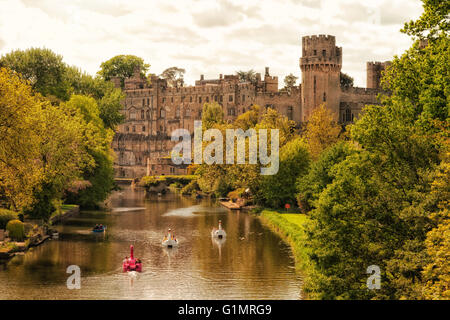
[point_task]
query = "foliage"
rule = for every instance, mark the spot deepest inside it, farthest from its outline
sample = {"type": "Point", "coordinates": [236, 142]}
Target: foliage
{"type": "Point", "coordinates": [289, 82]}
{"type": "Point", "coordinates": [174, 76]}
{"type": "Point", "coordinates": [212, 114]}
{"type": "Point", "coordinates": [122, 66]}
{"type": "Point", "coordinates": [190, 188]}
{"type": "Point", "coordinates": [16, 230]}
{"type": "Point", "coordinates": [320, 175]}
{"type": "Point", "coordinates": [433, 22]}
{"type": "Point", "coordinates": [247, 76]}
{"type": "Point", "coordinates": [346, 81]}
{"type": "Point", "coordinates": [321, 131]}
{"type": "Point", "coordinates": [44, 70]}
{"type": "Point", "coordinates": [6, 216]}
{"type": "Point", "coordinates": [279, 189]}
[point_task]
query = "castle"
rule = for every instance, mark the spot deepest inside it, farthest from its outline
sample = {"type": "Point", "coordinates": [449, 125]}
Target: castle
{"type": "Point", "coordinates": [153, 109]}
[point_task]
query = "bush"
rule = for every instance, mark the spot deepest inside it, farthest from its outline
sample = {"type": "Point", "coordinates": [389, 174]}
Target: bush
{"type": "Point", "coordinates": [16, 230]}
{"type": "Point", "coordinates": [6, 216]}
{"type": "Point", "coordinates": [190, 188]}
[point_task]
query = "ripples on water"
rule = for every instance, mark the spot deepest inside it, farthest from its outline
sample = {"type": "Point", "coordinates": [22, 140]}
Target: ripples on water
{"type": "Point", "coordinates": [251, 263]}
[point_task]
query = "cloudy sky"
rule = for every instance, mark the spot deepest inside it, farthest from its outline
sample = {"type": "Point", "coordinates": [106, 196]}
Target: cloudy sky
{"type": "Point", "coordinates": [205, 36]}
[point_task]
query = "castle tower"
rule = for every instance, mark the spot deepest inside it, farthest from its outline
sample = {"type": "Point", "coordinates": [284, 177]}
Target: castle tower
{"type": "Point", "coordinates": [321, 65]}
{"type": "Point", "coordinates": [375, 73]}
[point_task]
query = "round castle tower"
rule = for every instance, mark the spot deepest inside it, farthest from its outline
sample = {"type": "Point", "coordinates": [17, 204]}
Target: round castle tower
{"type": "Point", "coordinates": [321, 65]}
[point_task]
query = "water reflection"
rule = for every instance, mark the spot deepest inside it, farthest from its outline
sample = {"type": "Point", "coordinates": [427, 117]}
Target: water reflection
{"type": "Point", "coordinates": [251, 263]}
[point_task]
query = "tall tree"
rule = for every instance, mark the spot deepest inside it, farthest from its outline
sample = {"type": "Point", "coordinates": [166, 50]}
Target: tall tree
{"type": "Point", "coordinates": [122, 66]}
{"type": "Point", "coordinates": [44, 69]}
{"type": "Point", "coordinates": [289, 82]}
{"type": "Point", "coordinates": [246, 76]}
{"type": "Point", "coordinates": [174, 76]}
{"type": "Point", "coordinates": [321, 131]}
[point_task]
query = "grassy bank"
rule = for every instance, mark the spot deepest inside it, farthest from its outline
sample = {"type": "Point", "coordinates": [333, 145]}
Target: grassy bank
{"type": "Point", "coordinates": [291, 228]}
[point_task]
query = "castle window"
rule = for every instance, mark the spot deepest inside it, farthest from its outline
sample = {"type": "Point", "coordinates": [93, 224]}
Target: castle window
{"type": "Point", "coordinates": [290, 112]}
{"type": "Point", "coordinates": [188, 112]}
{"type": "Point", "coordinates": [207, 99]}
{"type": "Point", "coordinates": [177, 112]}
{"type": "Point", "coordinates": [231, 112]}
{"type": "Point", "coordinates": [171, 99]}
{"type": "Point", "coordinates": [147, 113]}
{"type": "Point", "coordinates": [230, 98]}
{"type": "Point", "coordinates": [199, 99]}
{"type": "Point", "coordinates": [324, 53]}
{"type": "Point", "coordinates": [324, 96]}
{"type": "Point", "coordinates": [127, 129]}
{"type": "Point", "coordinates": [152, 101]}
{"type": "Point", "coordinates": [132, 115]}
{"type": "Point", "coordinates": [315, 84]}
{"type": "Point", "coordinates": [162, 113]}
{"type": "Point", "coordinates": [352, 117]}
{"type": "Point", "coordinates": [142, 114]}
{"type": "Point", "coordinates": [215, 98]}
{"type": "Point", "coordinates": [315, 52]}
{"type": "Point", "coordinates": [143, 128]}
{"type": "Point", "coordinates": [163, 100]}
{"type": "Point", "coordinates": [243, 97]}
{"type": "Point", "coordinates": [221, 98]}
{"type": "Point", "coordinates": [148, 101]}
{"type": "Point", "coordinates": [134, 129]}
{"type": "Point", "coordinates": [348, 115]}
{"type": "Point", "coordinates": [143, 102]}
{"type": "Point", "coordinates": [172, 170]}
{"type": "Point", "coordinates": [191, 99]}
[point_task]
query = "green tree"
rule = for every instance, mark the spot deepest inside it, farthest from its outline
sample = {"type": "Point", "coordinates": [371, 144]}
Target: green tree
{"type": "Point", "coordinates": [44, 70]}
{"type": "Point", "coordinates": [247, 76]}
{"type": "Point", "coordinates": [174, 76]}
{"type": "Point", "coordinates": [289, 82]}
{"type": "Point", "coordinates": [122, 66]}
{"type": "Point", "coordinates": [346, 81]}
{"type": "Point", "coordinates": [279, 189]}
{"type": "Point", "coordinates": [212, 114]}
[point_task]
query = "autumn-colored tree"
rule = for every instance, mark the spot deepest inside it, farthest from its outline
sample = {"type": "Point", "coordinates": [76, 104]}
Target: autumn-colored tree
{"type": "Point", "coordinates": [321, 131]}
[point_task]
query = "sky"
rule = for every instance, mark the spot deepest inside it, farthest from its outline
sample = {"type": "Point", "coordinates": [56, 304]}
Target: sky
{"type": "Point", "coordinates": [209, 37]}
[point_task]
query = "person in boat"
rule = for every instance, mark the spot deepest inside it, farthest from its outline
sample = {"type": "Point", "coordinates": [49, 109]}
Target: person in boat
{"type": "Point", "coordinates": [96, 227]}
{"type": "Point", "coordinates": [101, 227]}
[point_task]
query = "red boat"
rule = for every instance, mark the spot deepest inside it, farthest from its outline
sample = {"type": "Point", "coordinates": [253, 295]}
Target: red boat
{"type": "Point", "coordinates": [131, 264]}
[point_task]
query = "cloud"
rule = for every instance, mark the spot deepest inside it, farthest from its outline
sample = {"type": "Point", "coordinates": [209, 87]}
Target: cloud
{"type": "Point", "coordinates": [207, 37]}
{"type": "Point", "coordinates": [223, 14]}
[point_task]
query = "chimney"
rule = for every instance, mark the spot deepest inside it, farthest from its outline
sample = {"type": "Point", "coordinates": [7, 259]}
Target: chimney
{"type": "Point", "coordinates": [202, 77]}
{"type": "Point", "coordinates": [267, 71]}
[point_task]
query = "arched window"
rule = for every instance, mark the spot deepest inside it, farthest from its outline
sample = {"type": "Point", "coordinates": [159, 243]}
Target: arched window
{"type": "Point", "coordinates": [324, 96]}
{"type": "Point", "coordinates": [142, 114]}
{"type": "Point", "coordinates": [147, 114]}
{"type": "Point", "coordinates": [132, 115]}
{"type": "Point", "coordinates": [162, 113]}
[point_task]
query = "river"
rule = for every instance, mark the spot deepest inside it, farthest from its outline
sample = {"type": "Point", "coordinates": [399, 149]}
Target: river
{"type": "Point", "coordinates": [251, 263]}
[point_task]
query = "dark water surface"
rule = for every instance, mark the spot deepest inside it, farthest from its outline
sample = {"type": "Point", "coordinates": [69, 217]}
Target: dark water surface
{"type": "Point", "coordinates": [252, 263]}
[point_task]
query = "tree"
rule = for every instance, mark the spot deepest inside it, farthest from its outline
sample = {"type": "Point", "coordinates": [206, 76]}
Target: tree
{"type": "Point", "coordinates": [346, 80]}
{"type": "Point", "coordinates": [174, 76]}
{"type": "Point", "coordinates": [321, 131]}
{"type": "Point", "coordinates": [122, 66]}
{"type": "Point", "coordinates": [279, 189]}
{"type": "Point", "coordinates": [247, 76]}
{"type": "Point", "coordinates": [97, 143]}
{"type": "Point", "coordinates": [433, 22]}
{"type": "Point", "coordinates": [44, 70]}
{"type": "Point", "coordinates": [320, 175]}
{"type": "Point", "coordinates": [212, 114]}
{"type": "Point", "coordinates": [19, 108]}
{"type": "Point", "coordinates": [289, 82]}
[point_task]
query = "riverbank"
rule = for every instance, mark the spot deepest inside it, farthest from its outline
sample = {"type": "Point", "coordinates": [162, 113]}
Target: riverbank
{"type": "Point", "coordinates": [291, 228]}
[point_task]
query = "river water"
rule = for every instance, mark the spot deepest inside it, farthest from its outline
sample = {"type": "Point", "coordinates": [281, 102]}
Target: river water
{"type": "Point", "coordinates": [251, 263]}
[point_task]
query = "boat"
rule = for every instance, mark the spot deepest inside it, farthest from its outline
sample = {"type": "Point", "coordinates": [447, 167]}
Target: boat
{"type": "Point", "coordinates": [131, 264]}
{"type": "Point", "coordinates": [218, 233]}
{"type": "Point", "coordinates": [230, 205]}
{"type": "Point", "coordinates": [101, 228]}
{"type": "Point", "coordinates": [169, 240]}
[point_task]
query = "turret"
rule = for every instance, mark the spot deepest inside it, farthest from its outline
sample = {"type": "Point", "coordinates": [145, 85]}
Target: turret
{"type": "Point", "coordinates": [375, 73]}
{"type": "Point", "coordinates": [321, 65]}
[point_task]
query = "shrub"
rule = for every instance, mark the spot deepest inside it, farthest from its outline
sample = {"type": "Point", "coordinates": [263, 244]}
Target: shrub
{"type": "Point", "coordinates": [16, 230]}
{"type": "Point", "coordinates": [6, 216]}
{"type": "Point", "coordinates": [190, 188]}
